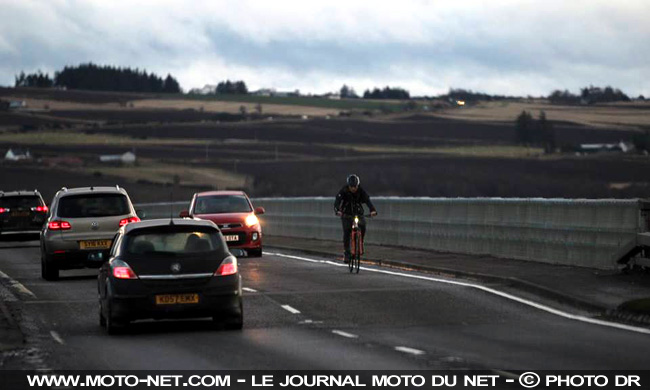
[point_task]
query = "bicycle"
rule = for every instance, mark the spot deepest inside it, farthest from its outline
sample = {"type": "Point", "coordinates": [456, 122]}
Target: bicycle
{"type": "Point", "coordinates": [356, 244]}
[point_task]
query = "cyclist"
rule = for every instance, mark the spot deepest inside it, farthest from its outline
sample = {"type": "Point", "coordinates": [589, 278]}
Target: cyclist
{"type": "Point", "coordinates": [348, 203]}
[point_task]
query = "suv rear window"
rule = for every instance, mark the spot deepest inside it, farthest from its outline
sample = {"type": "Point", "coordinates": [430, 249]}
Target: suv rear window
{"type": "Point", "coordinates": [20, 201]}
{"type": "Point", "coordinates": [93, 205]}
{"type": "Point", "coordinates": [173, 243]}
{"type": "Point", "coordinates": [222, 204]}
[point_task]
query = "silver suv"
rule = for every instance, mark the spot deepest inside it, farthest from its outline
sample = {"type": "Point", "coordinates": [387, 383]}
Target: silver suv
{"type": "Point", "coordinates": [80, 227]}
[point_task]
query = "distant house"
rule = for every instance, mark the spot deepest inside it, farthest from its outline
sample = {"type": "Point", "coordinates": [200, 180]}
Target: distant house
{"type": "Point", "coordinates": [17, 155]}
{"type": "Point", "coordinates": [621, 147]}
{"type": "Point", "coordinates": [126, 158]}
{"type": "Point", "coordinates": [17, 104]}
{"type": "Point", "coordinates": [206, 90]}
{"type": "Point", "coordinates": [264, 92]}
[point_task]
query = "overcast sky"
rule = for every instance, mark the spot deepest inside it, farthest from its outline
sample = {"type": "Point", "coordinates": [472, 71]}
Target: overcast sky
{"type": "Point", "coordinates": [525, 47]}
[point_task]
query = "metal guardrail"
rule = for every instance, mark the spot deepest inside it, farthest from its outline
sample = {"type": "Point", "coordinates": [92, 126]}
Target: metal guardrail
{"type": "Point", "coordinates": [560, 231]}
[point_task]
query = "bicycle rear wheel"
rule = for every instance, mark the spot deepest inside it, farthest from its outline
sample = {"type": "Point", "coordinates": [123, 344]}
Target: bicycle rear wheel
{"type": "Point", "coordinates": [353, 251]}
{"type": "Point", "coordinates": [357, 255]}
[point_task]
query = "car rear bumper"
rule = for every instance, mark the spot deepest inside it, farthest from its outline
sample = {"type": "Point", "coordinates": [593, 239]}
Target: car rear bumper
{"type": "Point", "coordinates": [66, 254]}
{"type": "Point", "coordinates": [79, 259]}
{"type": "Point", "coordinates": [140, 301]}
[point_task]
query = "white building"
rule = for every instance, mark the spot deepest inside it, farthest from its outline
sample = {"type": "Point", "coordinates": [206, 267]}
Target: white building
{"type": "Point", "coordinates": [17, 155]}
{"type": "Point", "coordinates": [126, 158]}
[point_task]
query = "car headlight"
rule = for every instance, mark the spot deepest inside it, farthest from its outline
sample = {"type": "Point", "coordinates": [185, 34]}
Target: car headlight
{"type": "Point", "coordinates": [252, 220]}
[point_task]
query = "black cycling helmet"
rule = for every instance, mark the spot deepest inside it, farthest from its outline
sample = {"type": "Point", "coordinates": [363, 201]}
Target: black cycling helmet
{"type": "Point", "coordinates": [354, 181]}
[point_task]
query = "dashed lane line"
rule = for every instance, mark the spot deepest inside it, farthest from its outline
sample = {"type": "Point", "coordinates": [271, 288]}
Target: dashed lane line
{"type": "Point", "coordinates": [345, 334]}
{"type": "Point", "coordinates": [55, 335]}
{"type": "Point", "coordinates": [411, 351]}
{"type": "Point", "coordinates": [291, 309]}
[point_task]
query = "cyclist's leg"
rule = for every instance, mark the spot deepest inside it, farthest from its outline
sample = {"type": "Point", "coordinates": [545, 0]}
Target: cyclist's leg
{"type": "Point", "coordinates": [347, 230]}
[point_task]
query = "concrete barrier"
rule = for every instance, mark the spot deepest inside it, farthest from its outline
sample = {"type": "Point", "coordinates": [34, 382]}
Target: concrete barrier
{"type": "Point", "coordinates": [560, 231]}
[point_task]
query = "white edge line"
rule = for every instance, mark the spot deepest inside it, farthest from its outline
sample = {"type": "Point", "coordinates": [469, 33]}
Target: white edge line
{"type": "Point", "coordinates": [345, 334]}
{"type": "Point", "coordinates": [57, 337]}
{"type": "Point", "coordinates": [248, 289]}
{"type": "Point", "coordinates": [290, 309]}
{"type": "Point", "coordinates": [527, 302]}
{"type": "Point", "coordinates": [412, 351]}
{"type": "Point", "coordinates": [17, 285]}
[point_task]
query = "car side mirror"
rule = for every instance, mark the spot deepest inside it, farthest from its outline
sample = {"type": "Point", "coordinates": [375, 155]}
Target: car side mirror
{"type": "Point", "coordinates": [184, 214]}
{"type": "Point", "coordinates": [259, 211]}
{"type": "Point", "coordinates": [141, 213]}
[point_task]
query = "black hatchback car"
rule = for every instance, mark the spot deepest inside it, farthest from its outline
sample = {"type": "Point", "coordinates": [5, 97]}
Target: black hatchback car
{"type": "Point", "coordinates": [21, 212]}
{"type": "Point", "coordinates": [166, 268]}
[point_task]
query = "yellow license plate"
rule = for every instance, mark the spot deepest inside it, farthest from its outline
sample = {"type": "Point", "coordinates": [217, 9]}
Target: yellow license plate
{"type": "Point", "coordinates": [176, 299]}
{"type": "Point", "coordinates": [95, 244]}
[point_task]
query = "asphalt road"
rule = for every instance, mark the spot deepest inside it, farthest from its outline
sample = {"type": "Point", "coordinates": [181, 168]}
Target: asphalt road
{"type": "Point", "coordinates": [309, 314]}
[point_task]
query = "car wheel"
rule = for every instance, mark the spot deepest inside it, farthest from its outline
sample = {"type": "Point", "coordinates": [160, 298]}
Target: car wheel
{"type": "Point", "coordinates": [236, 321]}
{"type": "Point", "coordinates": [49, 271]}
{"type": "Point", "coordinates": [102, 319]}
{"type": "Point", "coordinates": [112, 325]}
{"type": "Point", "coordinates": [255, 252]}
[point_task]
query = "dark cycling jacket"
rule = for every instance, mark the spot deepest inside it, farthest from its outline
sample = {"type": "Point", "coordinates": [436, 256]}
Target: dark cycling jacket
{"type": "Point", "coordinates": [350, 204]}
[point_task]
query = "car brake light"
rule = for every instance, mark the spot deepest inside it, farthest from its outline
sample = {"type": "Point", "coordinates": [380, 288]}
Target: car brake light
{"type": "Point", "coordinates": [41, 209]}
{"type": "Point", "coordinates": [126, 221]}
{"type": "Point", "coordinates": [59, 225]}
{"type": "Point", "coordinates": [252, 220]}
{"type": "Point", "coordinates": [121, 270]}
{"type": "Point", "coordinates": [228, 267]}
{"type": "Point", "coordinates": [3, 210]}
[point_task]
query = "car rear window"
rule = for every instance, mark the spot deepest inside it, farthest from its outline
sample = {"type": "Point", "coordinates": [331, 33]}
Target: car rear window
{"type": "Point", "coordinates": [222, 204]}
{"type": "Point", "coordinates": [20, 202]}
{"type": "Point", "coordinates": [93, 205]}
{"type": "Point", "coordinates": [173, 243]}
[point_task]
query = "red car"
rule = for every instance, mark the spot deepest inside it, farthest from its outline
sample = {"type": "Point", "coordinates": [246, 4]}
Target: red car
{"type": "Point", "coordinates": [233, 212]}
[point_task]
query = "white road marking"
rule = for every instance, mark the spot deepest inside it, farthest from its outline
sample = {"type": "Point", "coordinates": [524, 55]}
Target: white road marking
{"type": "Point", "coordinates": [17, 285]}
{"type": "Point", "coordinates": [527, 302]}
{"type": "Point", "coordinates": [345, 334]}
{"type": "Point", "coordinates": [290, 309]}
{"type": "Point", "coordinates": [412, 351]}
{"type": "Point", "coordinates": [57, 337]}
{"type": "Point", "coordinates": [248, 289]}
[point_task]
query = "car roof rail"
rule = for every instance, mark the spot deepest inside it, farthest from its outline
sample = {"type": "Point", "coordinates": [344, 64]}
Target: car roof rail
{"type": "Point", "coordinates": [117, 187]}
{"type": "Point", "coordinates": [64, 189]}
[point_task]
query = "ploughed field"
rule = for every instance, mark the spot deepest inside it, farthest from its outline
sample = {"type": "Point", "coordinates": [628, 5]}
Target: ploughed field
{"type": "Point", "coordinates": [412, 155]}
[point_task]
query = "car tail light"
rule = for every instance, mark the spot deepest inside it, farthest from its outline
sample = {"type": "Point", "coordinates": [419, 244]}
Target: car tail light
{"type": "Point", "coordinates": [252, 220]}
{"type": "Point", "coordinates": [3, 210]}
{"type": "Point", "coordinates": [59, 225]}
{"type": "Point", "coordinates": [129, 220]}
{"type": "Point", "coordinates": [40, 209]}
{"type": "Point", "coordinates": [121, 270]}
{"type": "Point", "coordinates": [228, 267]}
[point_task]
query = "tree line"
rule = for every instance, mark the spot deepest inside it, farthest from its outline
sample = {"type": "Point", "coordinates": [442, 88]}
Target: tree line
{"type": "Point", "coordinates": [589, 95]}
{"type": "Point", "coordinates": [387, 93]}
{"type": "Point", "coordinates": [101, 78]}
{"type": "Point", "coordinates": [529, 131]}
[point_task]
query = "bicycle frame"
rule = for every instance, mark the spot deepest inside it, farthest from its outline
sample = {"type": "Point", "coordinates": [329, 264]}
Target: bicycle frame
{"type": "Point", "coordinates": [356, 245]}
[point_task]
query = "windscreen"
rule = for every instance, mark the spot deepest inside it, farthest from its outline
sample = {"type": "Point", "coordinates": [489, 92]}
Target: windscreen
{"type": "Point", "coordinates": [222, 204]}
{"type": "Point", "coordinates": [93, 205]}
{"type": "Point", "coordinates": [173, 243]}
{"type": "Point", "coordinates": [20, 202]}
